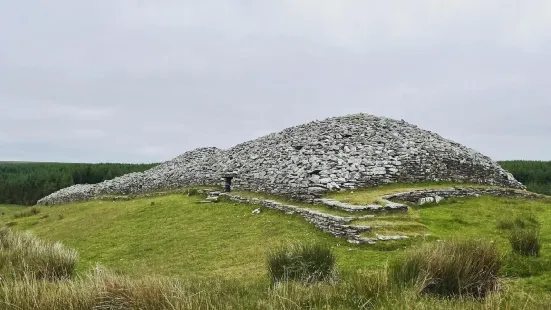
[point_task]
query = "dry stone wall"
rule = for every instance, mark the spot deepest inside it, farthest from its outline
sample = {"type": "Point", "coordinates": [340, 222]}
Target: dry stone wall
{"type": "Point", "coordinates": [336, 225]}
{"type": "Point", "coordinates": [305, 161]}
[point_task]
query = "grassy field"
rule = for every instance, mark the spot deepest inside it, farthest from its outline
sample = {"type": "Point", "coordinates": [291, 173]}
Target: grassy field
{"type": "Point", "coordinates": [8, 211]}
{"type": "Point", "coordinates": [177, 236]}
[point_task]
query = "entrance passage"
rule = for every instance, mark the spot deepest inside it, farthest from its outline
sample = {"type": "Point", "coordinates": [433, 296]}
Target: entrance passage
{"type": "Point", "coordinates": [227, 185]}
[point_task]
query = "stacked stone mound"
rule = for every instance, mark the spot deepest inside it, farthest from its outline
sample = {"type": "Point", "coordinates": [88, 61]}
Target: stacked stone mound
{"type": "Point", "coordinates": [306, 161]}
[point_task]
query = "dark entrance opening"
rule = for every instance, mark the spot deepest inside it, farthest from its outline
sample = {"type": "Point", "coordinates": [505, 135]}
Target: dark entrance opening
{"type": "Point", "coordinates": [227, 185]}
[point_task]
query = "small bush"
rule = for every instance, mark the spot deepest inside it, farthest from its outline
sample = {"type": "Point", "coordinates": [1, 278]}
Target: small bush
{"type": "Point", "coordinates": [525, 241]}
{"type": "Point", "coordinates": [305, 263]}
{"type": "Point", "coordinates": [452, 268]}
{"type": "Point", "coordinates": [26, 213]}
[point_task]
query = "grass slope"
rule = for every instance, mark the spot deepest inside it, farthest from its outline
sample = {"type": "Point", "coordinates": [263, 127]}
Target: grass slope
{"type": "Point", "coordinates": [478, 218]}
{"type": "Point", "coordinates": [178, 236]}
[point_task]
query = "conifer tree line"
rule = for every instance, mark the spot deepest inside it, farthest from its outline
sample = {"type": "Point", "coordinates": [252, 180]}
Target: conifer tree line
{"type": "Point", "coordinates": [26, 183]}
{"type": "Point", "coordinates": [536, 175]}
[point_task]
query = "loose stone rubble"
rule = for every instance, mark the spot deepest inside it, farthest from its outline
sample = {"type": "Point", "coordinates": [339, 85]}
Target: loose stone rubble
{"type": "Point", "coordinates": [305, 161]}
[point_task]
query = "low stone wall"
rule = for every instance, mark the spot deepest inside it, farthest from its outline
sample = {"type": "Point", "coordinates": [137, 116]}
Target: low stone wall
{"type": "Point", "coordinates": [435, 195]}
{"type": "Point", "coordinates": [336, 225]}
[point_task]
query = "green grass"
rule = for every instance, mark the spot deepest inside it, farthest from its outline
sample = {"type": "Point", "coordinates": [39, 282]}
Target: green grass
{"type": "Point", "coordinates": [304, 205]}
{"type": "Point", "coordinates": [26, 212]}
{"type": "Point", "coordinates": [479, 217]}
{"type": "Point", "coordinates": [373, 195]}
{"type": "Point", "coordinates": [412, 229]}
{"type": "Point", "coordinates": [525, 241]}
{"type": "Point", "coordinates": [101, 289]}
{"type": "Point", "coordinates": [8, 211]}
{"type": "Point", "coordinates": [180, 237]}
{"type": "Point", "coordinates": [407, 224]}
{"type": "Point", "coordinates": [446, 269]}
{"type": "Point", "coordinates": [22, 255]}
{"type": "Point", "coordinates": [307, 262]}
{"type": "Point", "coordinates": [452, 268]}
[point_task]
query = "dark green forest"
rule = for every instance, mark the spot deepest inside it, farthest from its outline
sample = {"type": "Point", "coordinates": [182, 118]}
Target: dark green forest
{"type": "Point", "coordinates": [26, 183]}
{"type": "Point", "coordinates": [536, 175]}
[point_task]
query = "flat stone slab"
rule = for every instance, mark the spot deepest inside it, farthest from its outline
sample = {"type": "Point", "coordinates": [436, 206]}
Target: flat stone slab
{"type": "Point", "coordinates": [360, 228]}
{"type": "Point", "coordinates": [363, 240]}
{"type": "Point", "coordinates": [387, 238]}
{"type": "Point", "coordinates": [389, 206]}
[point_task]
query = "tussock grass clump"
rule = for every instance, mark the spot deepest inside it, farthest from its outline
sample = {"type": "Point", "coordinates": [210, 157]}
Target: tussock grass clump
{"type": "Point", "coordinates": [524, 234]}
{"type": "Point", "coordinates": [302, 262]}
{"type": "Point", "coordinates": [26, 213]}
{"type": "Point", "coordinates": [526, 241]}
{"type": "Point", "coordinates": [105, 290]}
{"type": "Point", "coordinates": [451, 268]}
{"type": "Point", "coordinates": [519, 222]}
{"type": "Point", "coordinates": [102, 290]}
{"type": "Point", "coordinates": [23, 255]}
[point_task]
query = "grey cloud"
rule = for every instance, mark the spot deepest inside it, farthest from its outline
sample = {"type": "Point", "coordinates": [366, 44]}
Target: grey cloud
{"type": "Point", "coordinates": [147, 80]}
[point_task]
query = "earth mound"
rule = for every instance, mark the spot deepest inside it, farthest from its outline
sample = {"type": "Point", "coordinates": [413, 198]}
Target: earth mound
{"type": "Point", "coordinates": [305, 161]}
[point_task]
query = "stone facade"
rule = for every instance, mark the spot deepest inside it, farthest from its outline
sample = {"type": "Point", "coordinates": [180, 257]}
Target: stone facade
{"type": "Point", "coordinates": [305, 161]}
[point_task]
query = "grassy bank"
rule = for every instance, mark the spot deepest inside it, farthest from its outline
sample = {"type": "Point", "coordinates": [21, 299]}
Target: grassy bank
{"type": "Point", "coordinates": [178, 235]}
{"type": "Point", "coordinates": [179, 253]}
{"type": "Point", "coordinates": [383, 288]}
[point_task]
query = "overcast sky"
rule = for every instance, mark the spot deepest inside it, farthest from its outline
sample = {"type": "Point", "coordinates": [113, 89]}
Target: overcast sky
{"type": "Point", "coordinates": [144, 81]}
